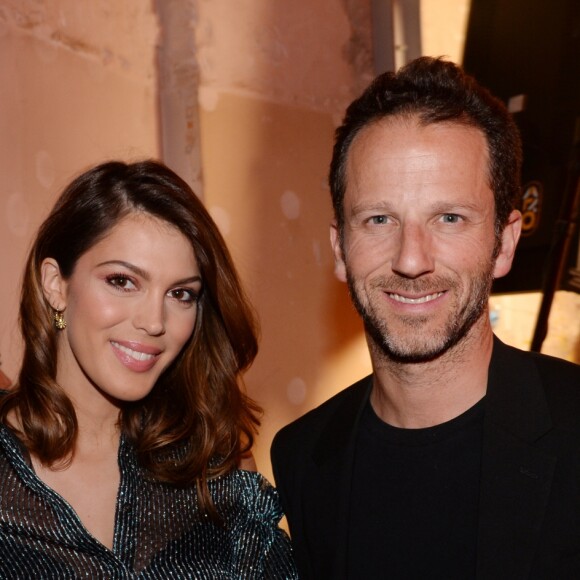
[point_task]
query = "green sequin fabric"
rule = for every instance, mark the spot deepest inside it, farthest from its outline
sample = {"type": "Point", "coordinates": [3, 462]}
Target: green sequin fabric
{"type": "Point", "coordinates": [159, 532]}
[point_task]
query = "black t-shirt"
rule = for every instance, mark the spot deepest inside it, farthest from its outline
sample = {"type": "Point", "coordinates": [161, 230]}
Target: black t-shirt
{"type": "Point", "coordinates": [414, 499]}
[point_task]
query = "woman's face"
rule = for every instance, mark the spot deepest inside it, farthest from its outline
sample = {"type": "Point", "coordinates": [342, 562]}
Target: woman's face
{"type": "Point", "coordinates": [130, 307]}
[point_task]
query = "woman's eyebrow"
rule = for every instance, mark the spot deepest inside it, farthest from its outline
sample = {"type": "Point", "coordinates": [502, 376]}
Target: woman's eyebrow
{"type": "Point", "coordinates": [144, 274]}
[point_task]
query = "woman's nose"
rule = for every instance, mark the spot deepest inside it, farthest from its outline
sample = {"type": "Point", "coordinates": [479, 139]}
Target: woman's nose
{"type": "Point", "coordinates": [150, 316]}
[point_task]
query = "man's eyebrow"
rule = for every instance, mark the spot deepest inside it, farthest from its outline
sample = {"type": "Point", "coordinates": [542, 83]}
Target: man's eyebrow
{"type": "Point", "coordinates": [440, 207]}
{"type": "Point", "coordinates": [144, 274]}
{"type": "Point", "coordinates": [374, 206]}
{"type": "Point", "coordinates": [453, 206]}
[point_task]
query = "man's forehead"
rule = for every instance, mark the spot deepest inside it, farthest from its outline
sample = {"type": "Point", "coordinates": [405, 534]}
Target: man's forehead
{"type": "Point", "coordinates": [445, 161]}
{"type": "Point", "coordinates": [413, 145]}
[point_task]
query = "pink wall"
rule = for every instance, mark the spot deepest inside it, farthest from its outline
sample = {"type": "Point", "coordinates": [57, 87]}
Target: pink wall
{"type": "Point", "coordinates": [77, 86]}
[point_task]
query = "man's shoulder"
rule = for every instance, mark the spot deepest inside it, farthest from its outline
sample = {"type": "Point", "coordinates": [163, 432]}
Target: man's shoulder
{"type": "Point", "coordinates": [307, 427]}
{"type": "Point", "coordinates": [557, 367]}
{"type": "Point", "coordinates": [559, 380]}
{"type": "Point", "coordinates": [553, 371]}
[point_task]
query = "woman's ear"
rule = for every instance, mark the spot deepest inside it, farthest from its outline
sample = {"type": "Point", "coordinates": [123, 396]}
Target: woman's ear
{"type": "Point", "coordinates": [53, 284]}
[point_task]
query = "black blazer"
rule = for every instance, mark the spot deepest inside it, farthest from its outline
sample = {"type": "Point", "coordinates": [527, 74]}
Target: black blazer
{"type": "Point", "coordinates": [529, 516]}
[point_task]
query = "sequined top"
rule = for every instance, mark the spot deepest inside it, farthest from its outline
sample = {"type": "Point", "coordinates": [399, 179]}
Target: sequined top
{"type": "Point", "coordinates": [159, 532]}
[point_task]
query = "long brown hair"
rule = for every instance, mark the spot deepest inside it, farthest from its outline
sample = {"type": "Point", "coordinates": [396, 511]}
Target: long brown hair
{"type": "Point", "coordinates": [197, 410]}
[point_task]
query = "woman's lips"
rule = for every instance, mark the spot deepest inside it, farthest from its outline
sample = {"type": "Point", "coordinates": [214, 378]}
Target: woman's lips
{"type": "Point", "coordinates": [136, 357]}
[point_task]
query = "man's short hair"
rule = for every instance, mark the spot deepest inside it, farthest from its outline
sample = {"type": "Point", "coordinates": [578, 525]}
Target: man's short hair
{"type": "Point", "coordinates": [433, 90]}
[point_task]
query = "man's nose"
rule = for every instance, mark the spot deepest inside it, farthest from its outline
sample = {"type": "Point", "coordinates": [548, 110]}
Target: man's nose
{"type": "Point", "coordinates": [414, 255]}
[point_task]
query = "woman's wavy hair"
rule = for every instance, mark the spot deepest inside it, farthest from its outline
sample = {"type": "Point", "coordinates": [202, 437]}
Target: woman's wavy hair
{"type": "Point", "coordinates": [197, 411]}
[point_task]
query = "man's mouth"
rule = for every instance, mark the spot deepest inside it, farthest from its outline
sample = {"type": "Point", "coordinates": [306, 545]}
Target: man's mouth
{"type": "Point", "coordinates": [421, 300]}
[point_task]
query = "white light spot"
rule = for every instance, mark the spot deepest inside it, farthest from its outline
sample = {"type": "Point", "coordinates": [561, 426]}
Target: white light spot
{"type": "Point", "coordinates": [44, 169]}
{"type": "Point", "coordinates": [222, 219]}
{"type": "Point", "coordinates": [296, 391]}
{"type": "Point", "coordinates": [290, 205]}
{"type": "Point", "coordinates": [208, 98]}
{"type": "Point", "coordinates": [17, 215]}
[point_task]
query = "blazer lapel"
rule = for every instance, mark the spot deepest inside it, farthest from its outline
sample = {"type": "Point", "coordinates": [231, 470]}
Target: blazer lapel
{"type": "Point", "coordinates": [334, 456]}
{"type": "Point", "coordinates": [516, 476]}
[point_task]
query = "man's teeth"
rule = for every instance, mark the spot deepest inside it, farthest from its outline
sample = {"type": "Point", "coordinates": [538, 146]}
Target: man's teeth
{"type": "Point", "coordinates": [405, 300]}
{"type": "Point", "coordinates": [133, 353]}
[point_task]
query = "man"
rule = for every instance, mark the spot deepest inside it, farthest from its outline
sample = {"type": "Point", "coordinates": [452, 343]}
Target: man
{"type": "Point", "coordinates": [459, 457]}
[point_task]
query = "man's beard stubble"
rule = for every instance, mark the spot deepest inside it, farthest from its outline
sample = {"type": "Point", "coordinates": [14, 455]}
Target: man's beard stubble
{"type": "Point", "coordinates": [425, 347]}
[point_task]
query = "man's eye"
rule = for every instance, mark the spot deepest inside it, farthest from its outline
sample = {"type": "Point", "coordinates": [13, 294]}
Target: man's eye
{"type": "Point", "coordinates": [451, 218]}
{"type": "Point", "coordinates": [379, 220]}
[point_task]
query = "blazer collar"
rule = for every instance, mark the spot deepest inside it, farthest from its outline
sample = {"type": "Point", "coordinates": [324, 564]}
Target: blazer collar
{"type": "Point", "coordinates": [337, 439]}
{"type": "Point", "coordinates": [515, 398]}
{"type": "Point", "coordinates": [516, 475]}
{"type": "Point", "coordinates": [334, 456]}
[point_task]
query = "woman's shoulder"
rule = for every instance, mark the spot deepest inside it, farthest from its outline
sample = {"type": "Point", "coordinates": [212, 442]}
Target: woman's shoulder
{"type": "Point", "coordinates": [248, 491]}
{"type": "Point", "coordinates": [243, 481]}
{"type": "Point", "coordinates": [251, 513]}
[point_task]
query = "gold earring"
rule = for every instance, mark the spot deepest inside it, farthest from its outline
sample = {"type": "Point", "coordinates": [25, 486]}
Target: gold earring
{"type": "Point", "coordinates": [59, 321]}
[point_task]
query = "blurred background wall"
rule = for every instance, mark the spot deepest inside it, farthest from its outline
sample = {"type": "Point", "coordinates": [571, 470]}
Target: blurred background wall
{"type": "Point", "coordinates": [242, 99]}
{"type": "Point", "coordinates": [78, 85]}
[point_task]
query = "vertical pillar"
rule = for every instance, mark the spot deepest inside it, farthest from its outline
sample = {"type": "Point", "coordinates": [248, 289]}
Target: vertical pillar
{"type": "Point", "coordinates": [396, 33]}
{"type": "Point", "coordinates": [178, 75]}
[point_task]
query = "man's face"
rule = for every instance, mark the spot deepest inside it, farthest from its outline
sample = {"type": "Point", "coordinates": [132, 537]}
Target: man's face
{"type": "Point", "coordinates": [419, 239]}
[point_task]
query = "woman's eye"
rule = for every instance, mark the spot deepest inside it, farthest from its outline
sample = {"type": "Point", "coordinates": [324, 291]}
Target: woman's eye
{"type": "Point", "coordinates": [121, 282]}
{"type": "Point", "coordinates": [183, 295]}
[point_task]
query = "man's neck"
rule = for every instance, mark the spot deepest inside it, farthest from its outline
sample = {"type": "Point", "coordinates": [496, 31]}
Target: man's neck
{"type": "Point", "coordinates": [418, 395]}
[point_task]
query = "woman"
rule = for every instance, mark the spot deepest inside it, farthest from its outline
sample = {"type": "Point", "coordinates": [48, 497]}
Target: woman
{"type": "Point", "coordinates": [122, 441]}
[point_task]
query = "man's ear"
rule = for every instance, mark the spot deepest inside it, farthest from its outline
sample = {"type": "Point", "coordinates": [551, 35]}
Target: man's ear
{"type": "Point", "coordinates": [339, 265]}
{"type": "Point", "coordinates": [53, 284]}
{"type": "Point", "coordinates": [509, 240]}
